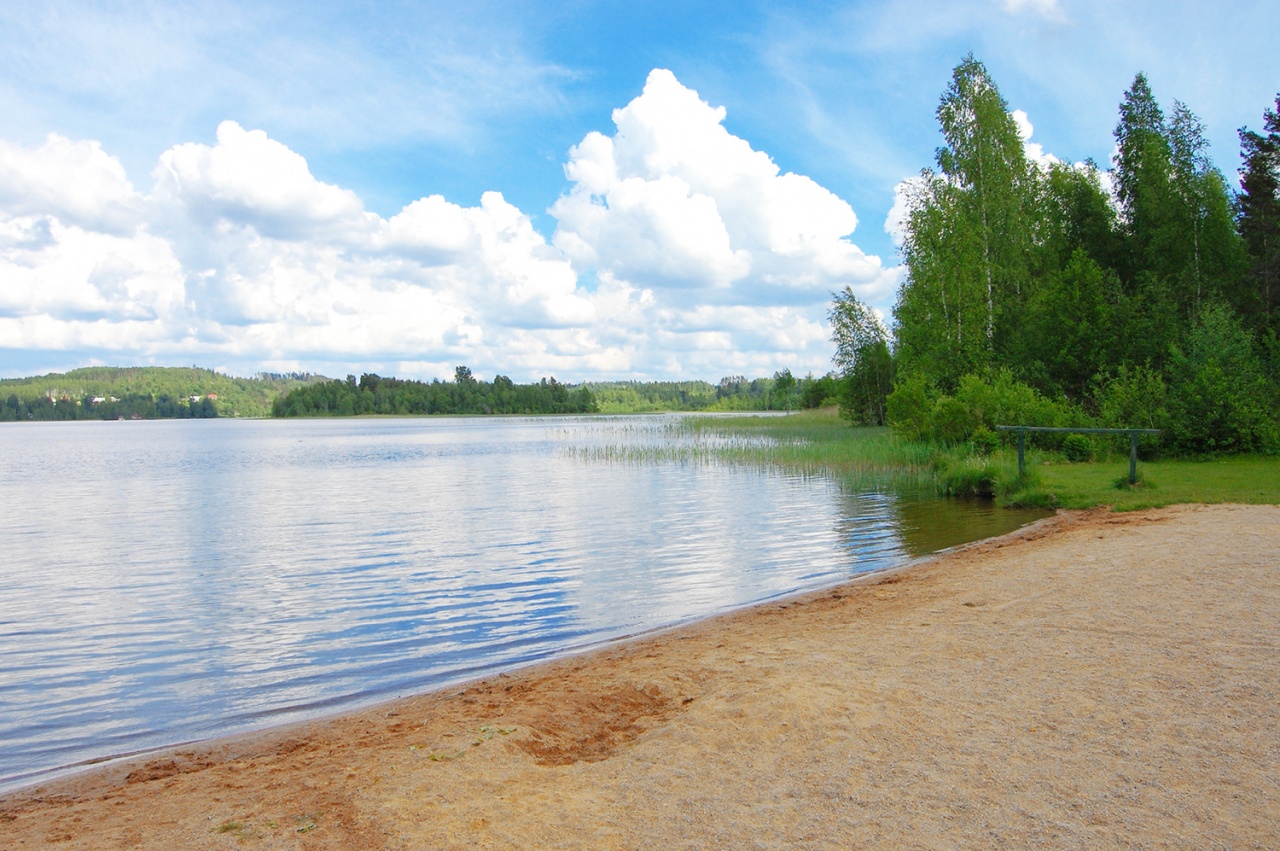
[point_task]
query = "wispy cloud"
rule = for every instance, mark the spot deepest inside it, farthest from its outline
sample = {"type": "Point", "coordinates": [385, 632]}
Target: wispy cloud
{"type": "Point", "coordinates": [1050, 10]}
{"type": "Point", "coordinates": [333, 77]}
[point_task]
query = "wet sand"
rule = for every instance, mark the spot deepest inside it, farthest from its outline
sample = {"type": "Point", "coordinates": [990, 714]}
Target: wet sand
{"type": "Point", "coordinates": [1097, 680]}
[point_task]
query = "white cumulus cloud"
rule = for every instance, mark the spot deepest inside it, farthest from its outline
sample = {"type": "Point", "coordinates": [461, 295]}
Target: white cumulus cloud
{"type": "Point", "coordinates": [674, 200]}
{"type": "Point", "coordinates": [249, 179]}
{"type": "Point", "coordinates": [679, 251]}
{"type": "Point", "coordinates": [77, 182]}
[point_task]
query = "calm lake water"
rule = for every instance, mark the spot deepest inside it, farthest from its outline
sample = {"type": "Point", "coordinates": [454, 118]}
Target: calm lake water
{"type": "Point", "coordinates": [173, 580]}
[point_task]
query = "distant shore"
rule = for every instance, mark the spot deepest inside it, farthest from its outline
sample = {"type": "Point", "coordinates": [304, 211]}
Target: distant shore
{"type": "Point", "coordinates": [1096, 680]}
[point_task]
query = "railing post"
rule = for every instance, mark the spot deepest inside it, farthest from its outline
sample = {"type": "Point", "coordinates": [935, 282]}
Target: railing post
{"type": "Point", "coordinates": [1133, 443]}
{"type": "Point", "coordinates": [1133, 458]}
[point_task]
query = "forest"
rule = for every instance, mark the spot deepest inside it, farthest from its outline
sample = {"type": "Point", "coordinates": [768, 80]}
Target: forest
{"type": "Point", "coordinates": [1040, 292]}
{"type": "Point", "coordinates": [782, 392]}
{"type": "Point", "coordinates": [150, 392]}
{"type": "Point", "coordinates": [373, 394]}
{"type": "Point", "coordinates": [109, 393]}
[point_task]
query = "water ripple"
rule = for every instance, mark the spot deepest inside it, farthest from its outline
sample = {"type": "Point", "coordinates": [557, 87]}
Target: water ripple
{"type": "Point", "coordinates": [166, 581]}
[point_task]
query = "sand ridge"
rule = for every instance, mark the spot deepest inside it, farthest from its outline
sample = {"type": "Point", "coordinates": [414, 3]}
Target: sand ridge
{"type": "Point", "coordinates": [1096, 680]}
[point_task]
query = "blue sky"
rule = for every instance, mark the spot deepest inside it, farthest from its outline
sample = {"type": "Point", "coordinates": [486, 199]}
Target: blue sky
{"type": "Point", "coordinates": [402, 187]}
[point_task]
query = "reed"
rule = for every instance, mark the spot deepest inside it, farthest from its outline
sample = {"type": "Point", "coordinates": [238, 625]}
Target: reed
{"type": "Point", "coordinates": [818, 442]}
{"type": "Point", "coordinates": [809, 443]}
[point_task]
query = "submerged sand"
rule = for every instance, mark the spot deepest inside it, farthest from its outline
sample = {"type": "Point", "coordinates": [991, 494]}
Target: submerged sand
{"type": "Point", "coordinates": [1097, 680]}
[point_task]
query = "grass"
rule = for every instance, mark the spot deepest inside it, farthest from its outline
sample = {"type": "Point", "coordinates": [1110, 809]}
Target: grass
{"type": "Point", "coordinates": [484, 734]}
{"type": "Point", "coordinates": [1251, 479]}
{"type": "Point", "coordinates": [819, 442]}
{"type": "Point", "coordinates": [244, 831]}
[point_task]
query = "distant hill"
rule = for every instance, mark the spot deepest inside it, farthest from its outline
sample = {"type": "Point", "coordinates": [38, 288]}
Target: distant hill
{"type": "Point", "coordinates": [103, 392]}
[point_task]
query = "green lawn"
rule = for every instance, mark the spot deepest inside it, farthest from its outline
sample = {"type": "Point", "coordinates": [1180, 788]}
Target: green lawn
{"type": "Point", "coordinates": [1242, 478]}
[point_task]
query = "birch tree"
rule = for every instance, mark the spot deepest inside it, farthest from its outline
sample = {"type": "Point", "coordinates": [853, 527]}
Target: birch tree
{"type": "Point", "coordinates": [969, 243]}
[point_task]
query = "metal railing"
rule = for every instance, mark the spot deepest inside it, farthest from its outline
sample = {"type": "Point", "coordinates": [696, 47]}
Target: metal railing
{"type": "Point", "coordinates": [1133, 442]}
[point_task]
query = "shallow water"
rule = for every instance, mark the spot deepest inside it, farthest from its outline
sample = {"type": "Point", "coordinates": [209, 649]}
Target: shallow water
{"type": "Point", "coordinates": [173, 580]}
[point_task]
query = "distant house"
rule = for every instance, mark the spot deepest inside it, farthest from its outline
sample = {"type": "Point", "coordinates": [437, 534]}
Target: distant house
{"type": "Point", "coordinates": [193, 399]}
{"type": "Point", "coordinates": [213, 396]}
{"type": "Point", "coordinates": [98, 400]}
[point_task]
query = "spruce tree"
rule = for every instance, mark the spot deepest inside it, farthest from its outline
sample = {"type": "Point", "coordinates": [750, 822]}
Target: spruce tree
{"type": "Point", "coordinates": [1181, 250]}
{"type": "Point", "coordinates": [1258, 217]}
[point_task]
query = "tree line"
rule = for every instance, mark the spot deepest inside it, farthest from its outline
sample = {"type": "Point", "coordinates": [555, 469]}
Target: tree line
{"type": "Point", "coordinates": [1144, 295]}
{"type": "Point", "coordinates": [782, 392]}
{"type": "Point", "coordinates": [132, 406]}
{"type": "Point", "coordinates": [167, 392]}
{"type": "Point", "coordinates": [148, 392]}
{"type": "Point", "coordinates": [374, 394]}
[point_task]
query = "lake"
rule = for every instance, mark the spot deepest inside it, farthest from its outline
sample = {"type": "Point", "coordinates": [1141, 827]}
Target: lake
{"type": "Point", "coordinates": [167, 581]}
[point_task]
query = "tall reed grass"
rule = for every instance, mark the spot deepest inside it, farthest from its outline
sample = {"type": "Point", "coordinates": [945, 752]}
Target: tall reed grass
{"type": "Point", "coordinates": [873, 459]}
{"type": "Point", "coordinates": [820, 443]}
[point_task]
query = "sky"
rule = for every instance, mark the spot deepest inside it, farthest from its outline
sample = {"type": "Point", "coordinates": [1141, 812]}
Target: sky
{"type": "Point", "coordinates": [586, 190]}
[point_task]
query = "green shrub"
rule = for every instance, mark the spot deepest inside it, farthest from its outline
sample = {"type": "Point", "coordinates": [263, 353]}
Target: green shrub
{"type": "Point", "coordinates": [951, 422]}
{"type": "Point", "coordinates": [1220, 398]}
{"type": "Point", "coordinates": [984, 441]}
{"type": "Point", "coordinates": [910, 407]}
{"type": "Point", "coordinates": [968, 477]}
{"type": "Point", "coordinates": [918, 413]}
{"type": "Point", "coordinates": [1077, 447]}
{"type": "Point", "coordinates": [1135, 397]}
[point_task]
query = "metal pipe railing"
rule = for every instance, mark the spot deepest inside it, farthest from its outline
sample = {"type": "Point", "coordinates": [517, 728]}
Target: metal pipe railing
{"type": "Point", "coordinates": [1133, 442]}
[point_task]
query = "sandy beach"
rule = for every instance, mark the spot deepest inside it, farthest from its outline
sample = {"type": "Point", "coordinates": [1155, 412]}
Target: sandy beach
{"type": "Point", "coordinates": [1098, 680]}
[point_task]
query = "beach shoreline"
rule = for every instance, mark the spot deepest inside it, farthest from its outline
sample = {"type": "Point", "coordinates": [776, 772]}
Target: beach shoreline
{"type": "Point", "coordinates": [1084, 680]}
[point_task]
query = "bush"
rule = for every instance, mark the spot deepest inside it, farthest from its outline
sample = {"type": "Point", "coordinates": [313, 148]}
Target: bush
{"type": "Point", "coordinates": [972, 477]}
{"type": "Point", "coordinates": [984, 441]}
{"type": "Point", "coordinates": [1077, 447]}
{"type": "Point", "coordinates": [1135, 397]}
{"type": "Point", "coordinates": [1220, 399]}
{"type": "Point", "coordinates": [951, 422]}
{"type": "Point", "coordinates": [999, 399]}
{"type": "Point", "coordinates": [917, 413]}
{"type": "Point", "coordinates": [910, 407]}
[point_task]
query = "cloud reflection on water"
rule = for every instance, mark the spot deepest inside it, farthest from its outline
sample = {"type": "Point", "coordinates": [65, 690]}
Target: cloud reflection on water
{"type": "Point", "coordinates": [168, 580]}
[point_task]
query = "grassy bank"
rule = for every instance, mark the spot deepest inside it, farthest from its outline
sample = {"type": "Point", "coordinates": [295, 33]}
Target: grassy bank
{"type": "Point", "coordinates": [820, 442]}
